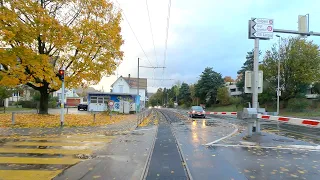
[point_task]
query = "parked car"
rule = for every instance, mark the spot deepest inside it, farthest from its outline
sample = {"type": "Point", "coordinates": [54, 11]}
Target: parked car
{"type": "Point", "coordinates": [83, 106]}
{"type": "Point", "coordinates": [197, 111]}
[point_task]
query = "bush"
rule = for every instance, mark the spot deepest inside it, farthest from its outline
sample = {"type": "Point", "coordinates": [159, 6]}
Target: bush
{"type": "Point", "coordinates": [171, 104]}
{"type": "Point", "coordinates": [28, 104]}
{"type": "Point", "coordinates": [223, 96]}
{"type": "Point", "coordinates": [236, 100]}
{"type": "Point", "coordinates": [298, 104]}
{"type": "Point", "coordinates": [52, 104]}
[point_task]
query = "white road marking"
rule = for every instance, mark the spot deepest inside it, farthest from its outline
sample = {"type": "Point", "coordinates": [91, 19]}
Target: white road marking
{"type": "Point", "coordinates": [229, 135]}
{"type": "Point", "coordinates": [288, 147]}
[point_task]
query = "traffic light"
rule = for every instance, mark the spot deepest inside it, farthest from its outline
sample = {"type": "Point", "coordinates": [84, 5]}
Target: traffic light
{"type": "Point", "coordinates": [61, 73]}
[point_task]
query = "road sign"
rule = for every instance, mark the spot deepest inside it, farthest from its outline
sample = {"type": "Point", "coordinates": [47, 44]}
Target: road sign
{"type": "Point", "coordinates": [261, 28]}
{"type": "Point", "coordinates": [111, 103]}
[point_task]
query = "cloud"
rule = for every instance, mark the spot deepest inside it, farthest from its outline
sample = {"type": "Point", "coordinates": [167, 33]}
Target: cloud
{"type": "Point", "coordinates": [206, 33]}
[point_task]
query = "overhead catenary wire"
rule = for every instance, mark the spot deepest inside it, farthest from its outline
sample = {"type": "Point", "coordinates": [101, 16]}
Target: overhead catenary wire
{"type": "Point", "coordinates": [154, 47]}
{"type": "Point", "coordinates": [125, 17]}
{"type": "Point", "coordinates": [166, 39]}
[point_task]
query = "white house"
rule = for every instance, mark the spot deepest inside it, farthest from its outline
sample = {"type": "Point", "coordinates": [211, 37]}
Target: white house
{"type": "Point", "coordinates": [233, 89]}
{"type": "Point", "coordinates": [129, 85]}
{"type": "Point", "coordinates": [18, 95]}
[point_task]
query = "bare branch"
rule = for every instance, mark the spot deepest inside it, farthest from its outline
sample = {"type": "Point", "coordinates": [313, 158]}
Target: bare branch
{"type": "Point", "coordinates": [76, 53]}
{"type": "Point", "coordinates": [95, 55]}
{"type": "Point", "coordinates": [74, 17]}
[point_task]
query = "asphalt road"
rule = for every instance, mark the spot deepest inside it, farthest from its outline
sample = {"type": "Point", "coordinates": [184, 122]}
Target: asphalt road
{"type": "Point", "coordinates": [271, 157]}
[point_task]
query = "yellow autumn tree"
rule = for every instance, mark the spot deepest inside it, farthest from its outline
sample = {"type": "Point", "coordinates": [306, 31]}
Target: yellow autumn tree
{"type": "Point", "coordinates": [42, 36]}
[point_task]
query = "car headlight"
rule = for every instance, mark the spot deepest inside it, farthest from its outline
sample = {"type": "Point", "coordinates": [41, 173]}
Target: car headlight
{"type": "Point", "coordinates": [193, 111]}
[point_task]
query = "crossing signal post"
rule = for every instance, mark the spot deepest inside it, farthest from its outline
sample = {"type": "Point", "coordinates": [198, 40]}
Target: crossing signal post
{"type": "Point", "coordinates": [61, 76]}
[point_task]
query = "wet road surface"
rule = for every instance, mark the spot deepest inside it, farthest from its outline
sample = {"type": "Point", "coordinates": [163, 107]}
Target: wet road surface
{"type": "Point", "coordinates": [166, 162]}
{"type": "Point", "coordinates": [271, 157]}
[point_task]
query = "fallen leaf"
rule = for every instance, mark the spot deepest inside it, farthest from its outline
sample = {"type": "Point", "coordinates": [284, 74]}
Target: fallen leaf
{"type": "Point", "coordinates": [252, 177]}
{"type": "Point", "coordinates": [246, 171]}
{"type": "Point", "coordinates": [293, 175]}
{"type": "Point", "coordinates": [96, 177]}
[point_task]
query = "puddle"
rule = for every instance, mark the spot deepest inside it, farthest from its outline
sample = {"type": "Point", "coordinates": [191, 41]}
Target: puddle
{"type": "Point", "coordinates": [137, 133]}
{"type": "Point", "coordinates": [208, 123]}
{"type": "Point", "coordinates": [283, 140]}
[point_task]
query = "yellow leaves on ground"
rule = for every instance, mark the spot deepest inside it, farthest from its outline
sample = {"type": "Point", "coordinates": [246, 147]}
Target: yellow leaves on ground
{"type": "Point", "coordinates": [70, 120]}
{"type": "Point", "coordinates": [145, 122]}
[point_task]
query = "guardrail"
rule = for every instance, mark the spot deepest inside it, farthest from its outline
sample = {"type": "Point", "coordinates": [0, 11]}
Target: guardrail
{"type": "Point", "coordinates": [219, 113]}
{"type": "Point", "coordinates": [282, 119]}
{"type": "Point", "coordinates": [292, 120]}
{"type": "Point", "coordinates": [142, 115]}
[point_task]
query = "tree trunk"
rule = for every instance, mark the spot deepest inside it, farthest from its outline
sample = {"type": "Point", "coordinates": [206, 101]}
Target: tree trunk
{"type": "Point", "coordinates": [44, 99]}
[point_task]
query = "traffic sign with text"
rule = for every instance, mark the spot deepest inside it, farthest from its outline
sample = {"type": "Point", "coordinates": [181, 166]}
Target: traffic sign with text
{"type": "Point", "coordinates": [261, 28]}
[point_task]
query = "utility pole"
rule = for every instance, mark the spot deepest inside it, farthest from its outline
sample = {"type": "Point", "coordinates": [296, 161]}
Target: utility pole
{"type": "Point", "coordinates": [278, 87]}
{"type": "Point", "coordinates": [137, 109]}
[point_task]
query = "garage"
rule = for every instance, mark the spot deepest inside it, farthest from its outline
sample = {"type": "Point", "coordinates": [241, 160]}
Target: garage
{"type": "Point", "coordinates": [73, 102]}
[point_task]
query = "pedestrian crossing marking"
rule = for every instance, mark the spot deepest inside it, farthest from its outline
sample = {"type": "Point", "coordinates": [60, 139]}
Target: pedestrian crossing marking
{"type": "Point", "coordinates": [33, 160]}
{"type": "Point", "coordinates": [25, 143]}
{"type": "Point", "coordinates": [44, 151]}
{"type": "Point", "coordinates": [67, 145]}
{"type": "Point", "coordinates": [28, 174]}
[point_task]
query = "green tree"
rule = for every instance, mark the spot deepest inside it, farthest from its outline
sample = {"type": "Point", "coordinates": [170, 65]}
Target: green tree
{"type": "Point", "coordinates": [185, 95]}
{"type": "Point", "coordinates": [223, 96]}
{"type": "Point", "coordinates": [5, 92]}
{"type": "Point", "coordinates": [247, 66]}
{"type": "Point", "coordinates": [176, 89]}
{"type": "Point", "coordinates": [44, 35]}
{"type": "Point", "coordinates": [300, 67]}
{"type": "Point", "coordinates": [207, 86]}
{"type": "Point", "coordinates": [193, 94]}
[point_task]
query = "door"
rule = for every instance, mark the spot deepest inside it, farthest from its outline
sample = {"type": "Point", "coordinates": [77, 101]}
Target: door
{"type": "Point", "coordinates": [100, 104]}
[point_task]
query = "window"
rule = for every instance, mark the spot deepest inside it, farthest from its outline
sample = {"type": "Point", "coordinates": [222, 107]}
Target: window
{"type": "Point", "coordinates": [100, 99]}
{"type": "Point", "coordinates": [93, 99]}
{"type": "Point", "coordinates": [106, 99]}
{"type": "Point", "coordinates": [16, 93]}
{"type": "Point", "coordinates": [233, 90]}
{"type": "Point", "coordinates": [121, 88]}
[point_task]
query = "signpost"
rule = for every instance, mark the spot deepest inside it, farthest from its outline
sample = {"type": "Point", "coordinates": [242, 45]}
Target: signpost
{"type": "Point", "coordinates": [259, 28]}
{"type": "Point", "coordinates": [61, 75]}
{"type": "Point", "coordinates": [110, 104]}
{"type": "Point", "coordinates": [262, 28]}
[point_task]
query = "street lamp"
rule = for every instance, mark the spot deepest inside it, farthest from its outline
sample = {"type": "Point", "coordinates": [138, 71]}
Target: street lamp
{"type": "Point", "coordinates": [278, 89]}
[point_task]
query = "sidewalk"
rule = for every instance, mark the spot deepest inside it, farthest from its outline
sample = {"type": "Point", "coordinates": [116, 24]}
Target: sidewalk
{"type": "Point", "coordinates": [125, 125]}
{"type": "Point", "coordinates": [125, 158]}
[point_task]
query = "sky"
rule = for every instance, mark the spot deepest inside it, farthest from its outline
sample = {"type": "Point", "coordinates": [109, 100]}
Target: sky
{"type": "Point", "coordinates": [202, 33]}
